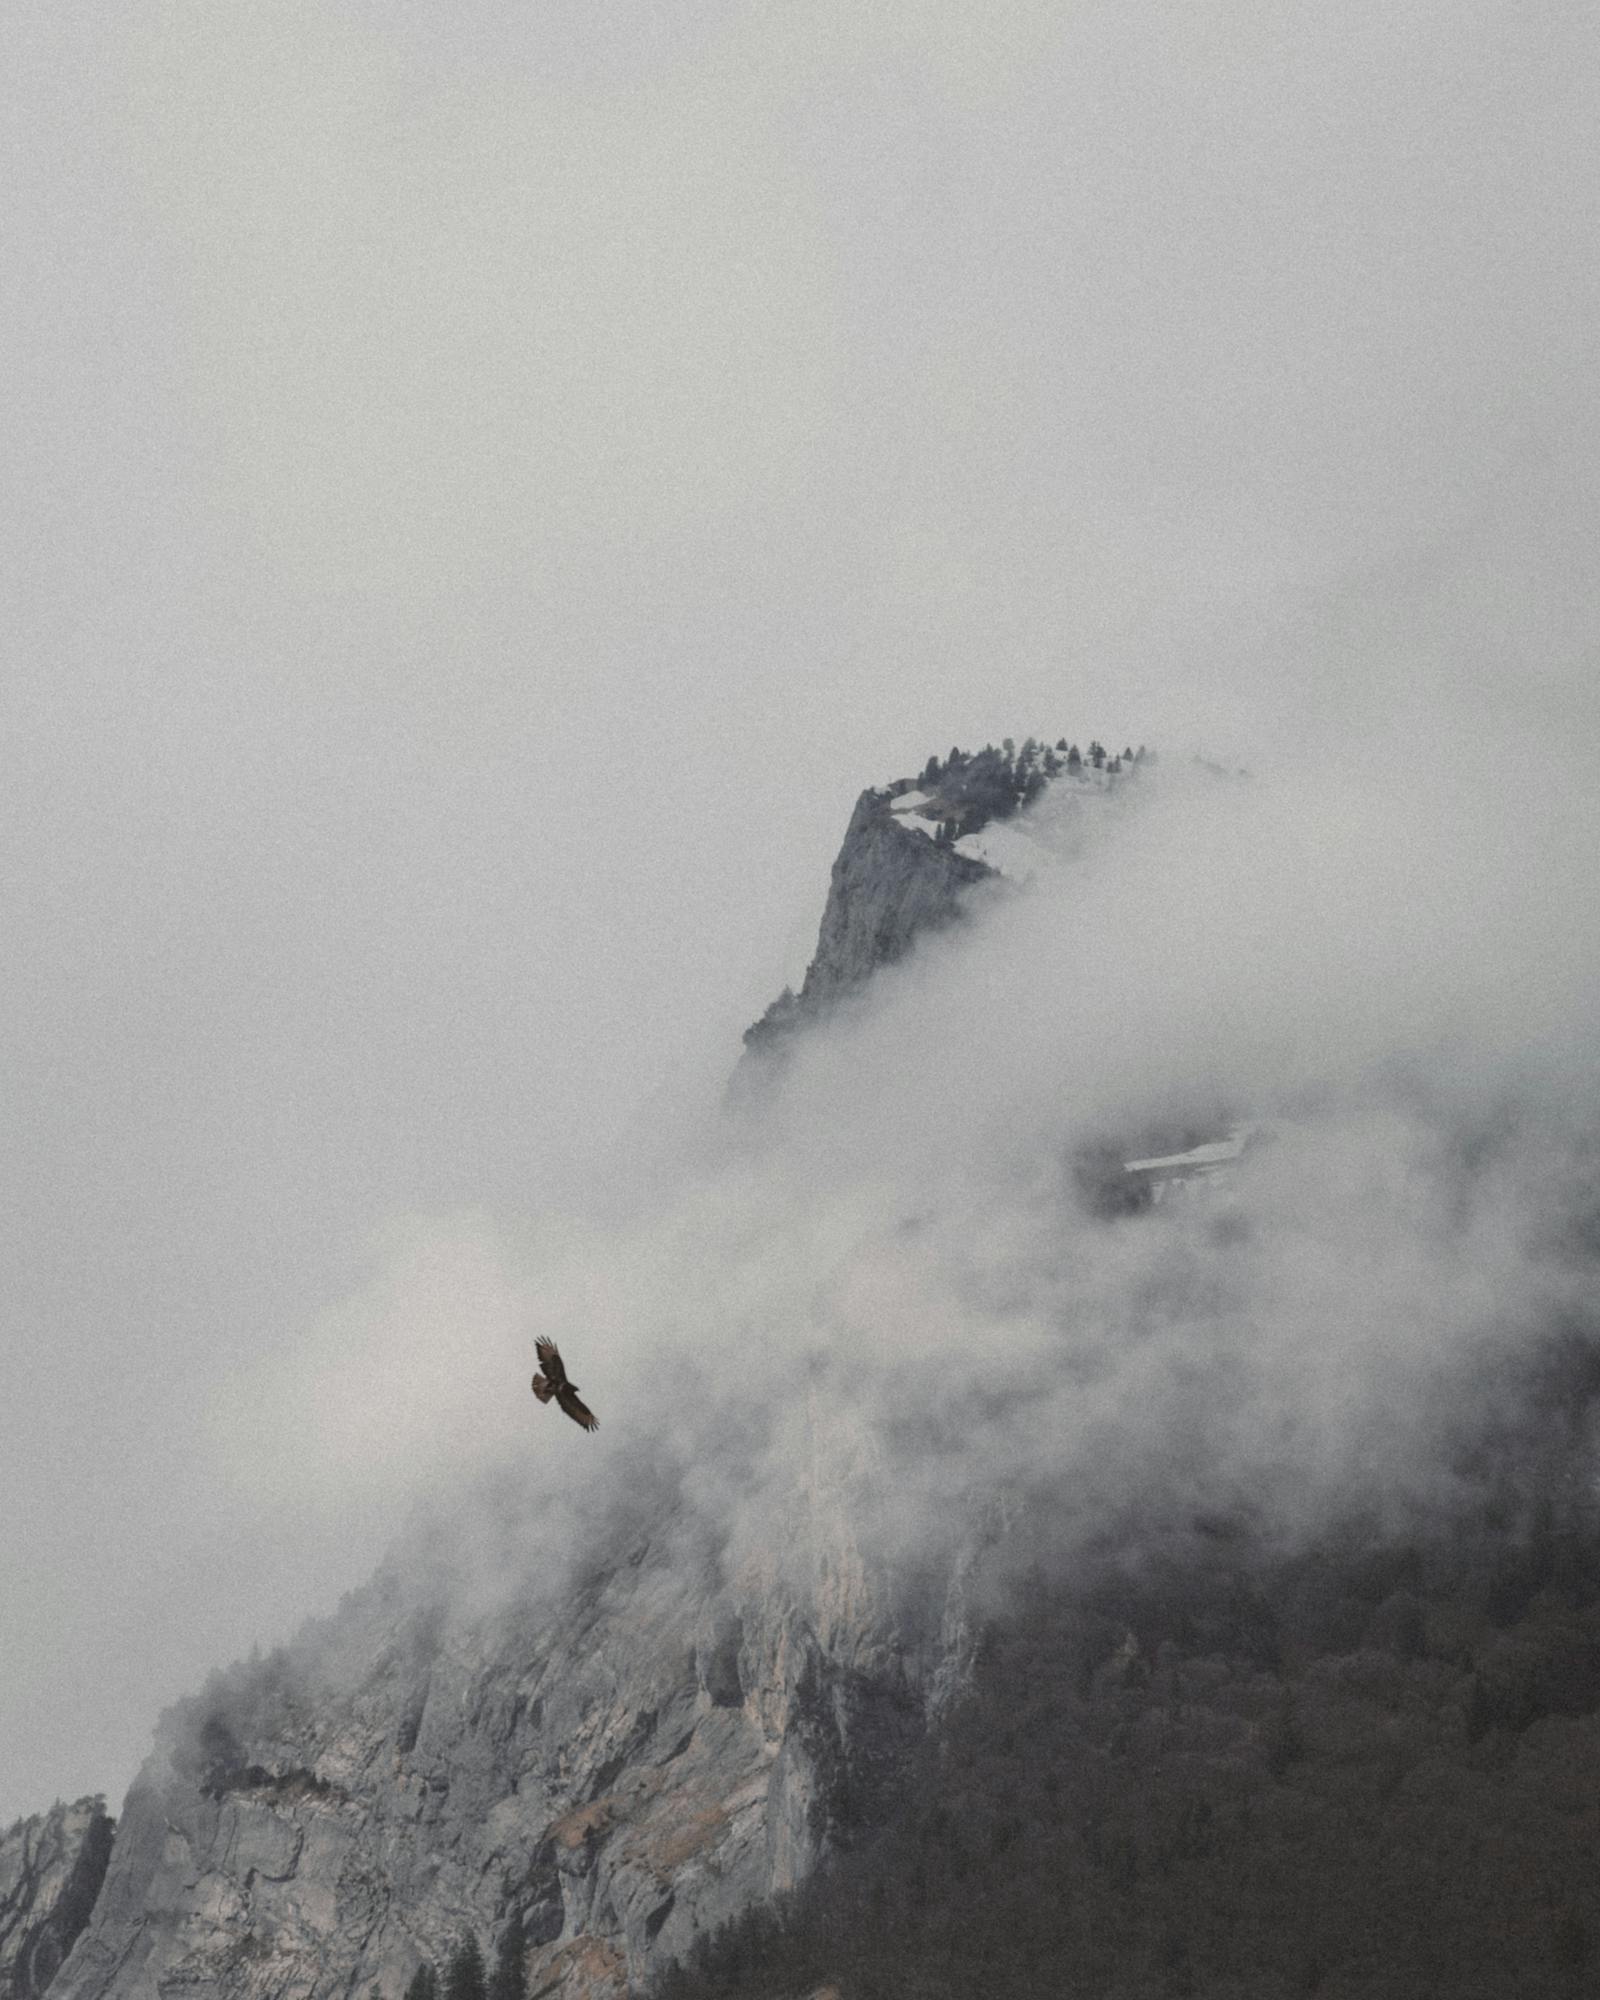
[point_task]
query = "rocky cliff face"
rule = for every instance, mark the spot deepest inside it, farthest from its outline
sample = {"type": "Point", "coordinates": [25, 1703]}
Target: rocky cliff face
{"type": "Point", "coordinates": [890, 882]}
{"type": "Point", "coordinates": [621, 1763]}
{"type": "Point", "coordinates": [51, 1869]}
{"type": "Point", "coordinates": [916, 850]}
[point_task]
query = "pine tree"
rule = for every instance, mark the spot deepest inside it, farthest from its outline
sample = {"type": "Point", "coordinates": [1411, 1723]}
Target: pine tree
{"type": "Point", "coordinates": [424, 1983]}
{"type": "Point", "coordinates": [509, 1980]}
{"type": "Point", "coordinates": [465, 1978]}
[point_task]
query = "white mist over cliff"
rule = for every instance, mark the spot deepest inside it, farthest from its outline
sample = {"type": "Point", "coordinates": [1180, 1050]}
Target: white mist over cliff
{"type": "Point", "coordinates": [485, 491]}
{"type": "Point", "coordinates": [888, 1256]}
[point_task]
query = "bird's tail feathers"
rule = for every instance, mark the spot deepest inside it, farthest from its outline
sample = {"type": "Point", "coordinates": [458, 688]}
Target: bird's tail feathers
{"type": "Point", "coordinates": [542, 1389]}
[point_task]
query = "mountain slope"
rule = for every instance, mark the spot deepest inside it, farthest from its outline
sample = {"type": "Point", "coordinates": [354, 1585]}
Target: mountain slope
{"type": "Point", "coordinates": [998, 1570]}
{"type": "Point", "coordinates": [620, 1763]}
{"type": "Point", "coordinates": [619, 1755]}
{"type": "Point", "coordinates": [1372, 1770]}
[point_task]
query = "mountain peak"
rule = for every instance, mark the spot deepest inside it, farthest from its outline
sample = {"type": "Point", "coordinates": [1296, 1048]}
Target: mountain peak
{"type": "Point", "coordinates": [916, 848]}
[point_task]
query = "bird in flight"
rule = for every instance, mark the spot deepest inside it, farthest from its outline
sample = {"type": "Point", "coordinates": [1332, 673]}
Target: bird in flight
{"type": "Point", "coordinates": [552, 1381]}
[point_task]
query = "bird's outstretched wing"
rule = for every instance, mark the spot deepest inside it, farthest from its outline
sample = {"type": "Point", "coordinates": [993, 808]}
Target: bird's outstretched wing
{"type": "Point", "coordinates": [579, 1412]}
{"type": "Point", "coordinates": [550, 1361]}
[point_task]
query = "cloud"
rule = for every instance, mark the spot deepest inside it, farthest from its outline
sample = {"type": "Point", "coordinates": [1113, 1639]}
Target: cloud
{"type": "Point", "coordinates": [488, 487]}
{"type": "Point", "coordinates": [383, 1394]}
{"type": "Point", "coordinates": [890, 1300]}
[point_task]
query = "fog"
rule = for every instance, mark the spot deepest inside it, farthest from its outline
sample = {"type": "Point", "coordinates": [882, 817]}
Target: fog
{"type": "Point", "coordinates": [885, 1274]}
{"type": "Point", "coordinates": [482, 497]}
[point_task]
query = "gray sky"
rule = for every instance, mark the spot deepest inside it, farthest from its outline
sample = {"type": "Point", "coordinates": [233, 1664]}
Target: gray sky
{"type": "Point", "coordinates": [484, 489]}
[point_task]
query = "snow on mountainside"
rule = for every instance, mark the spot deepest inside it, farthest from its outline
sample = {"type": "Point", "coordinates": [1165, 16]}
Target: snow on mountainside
{"type": "Point", "coordinates": [1051, 824]}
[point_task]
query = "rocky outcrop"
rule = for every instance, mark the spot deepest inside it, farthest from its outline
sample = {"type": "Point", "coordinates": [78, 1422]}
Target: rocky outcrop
{"type": "Point", "coordinates": [890, 883]}
{"type": "Point", "coordinates": [51, 1869]}
{"type": "Point", "coordinates": [621, 1762]}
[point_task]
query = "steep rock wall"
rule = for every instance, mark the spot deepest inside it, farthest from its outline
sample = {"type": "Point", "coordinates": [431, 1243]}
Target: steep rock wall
{"type": "Point", "coordinates": [51, 1869]}
{"type": "Point", "coordinates": [889, 883]}
{"type": "Point", "coordinates": [622, 1763]}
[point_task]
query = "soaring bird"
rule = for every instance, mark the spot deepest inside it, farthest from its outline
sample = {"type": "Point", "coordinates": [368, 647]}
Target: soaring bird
{"type": "Point", "coordinates": [553, 1382]}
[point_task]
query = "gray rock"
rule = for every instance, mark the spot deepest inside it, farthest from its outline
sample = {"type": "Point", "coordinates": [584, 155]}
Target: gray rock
{"type": "Point", "coordinates": [890, 883]}
{"type": "Point", "coordinates": [51, 1869]}
{"type": "Point", "coordinates": [623, 1763]}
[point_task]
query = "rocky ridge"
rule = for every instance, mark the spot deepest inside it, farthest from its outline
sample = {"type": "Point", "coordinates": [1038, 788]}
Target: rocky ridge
{"type": "Point", "coordinates": [51, 1869]}
{"type": "Point", "coordinates": [889, 884]}
{"type": "Point", "coordinates": [916, 850]}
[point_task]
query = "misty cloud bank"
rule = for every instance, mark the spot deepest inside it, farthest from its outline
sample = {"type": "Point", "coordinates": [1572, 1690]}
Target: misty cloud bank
{"type": "Point", "coordinates": [879, 1301]}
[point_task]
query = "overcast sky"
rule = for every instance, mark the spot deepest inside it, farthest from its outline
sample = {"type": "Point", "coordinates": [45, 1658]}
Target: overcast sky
{"type": "Point", "coordinates": [486, 485]}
